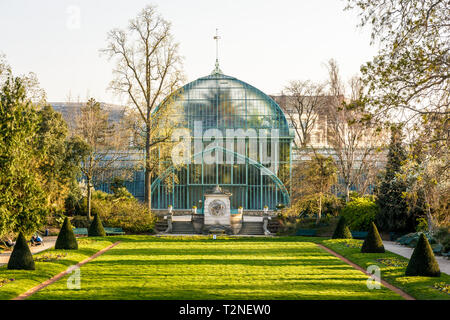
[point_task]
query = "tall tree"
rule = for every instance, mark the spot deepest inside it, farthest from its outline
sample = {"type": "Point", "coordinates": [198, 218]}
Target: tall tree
{"type": "Point", "coordinates": [148, 69]}
{"type": "Point", "coordinates": [393, 214]}
{"type": "Point", "coordinates": [306, 102]}
{"type": "Point", "coordinates": [351, 133]}
{"type": "Point", "coordinates": [317, 176]}
{"type": "Point", "coordinates": [104, 144]}
{"type": "Point", "coordinates": [60, 164]}
{"type": "Point", "coordinates": [22, 199]}
{"type": "Point", "coordinates": [409, 81]}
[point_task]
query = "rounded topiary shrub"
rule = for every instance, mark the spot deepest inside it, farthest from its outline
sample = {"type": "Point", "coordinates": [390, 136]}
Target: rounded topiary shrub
{"type": "Point", "coordinates": [423, 262]}
{"type": "Point", "coordinates": [360, 212]}
{"type": "Point", "coordinates": [342, 231]}
{"type": "Point", "coordinates": [66, 238]}
{"type": "Point", "coordinates": [96, 228]}
{"type": "Point", "coordinates": [373, 242]}
{"type": "Point", "coordinates": [21, 257]}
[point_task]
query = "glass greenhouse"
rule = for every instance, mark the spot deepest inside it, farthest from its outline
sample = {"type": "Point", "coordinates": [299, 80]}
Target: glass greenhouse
{"type": "Point", "coordinates": [225, 103]}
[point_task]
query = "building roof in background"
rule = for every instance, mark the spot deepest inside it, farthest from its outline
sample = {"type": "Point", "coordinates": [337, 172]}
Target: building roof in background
{"type": "Point", "coordinates": [70, 110]}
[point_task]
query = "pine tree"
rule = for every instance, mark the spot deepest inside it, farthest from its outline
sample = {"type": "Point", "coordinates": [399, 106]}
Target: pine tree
{"type": "Point", "coordinates": [373, 242]}
{"type": "Point", "coordinates": [393, 214]}
{"type": "Point", "coordinates": [96, 228]}
{"type": "Point", "coordinates": [21, 257]}
{"type": "Point", "coordinates": [342, 231]}
{"type": "Point", "coordinates": [423, 262]}
{"type": "Point", "coordinates": [66, 237]}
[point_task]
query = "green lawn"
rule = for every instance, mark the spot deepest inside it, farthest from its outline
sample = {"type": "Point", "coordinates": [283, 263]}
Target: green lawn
{"type": "Point", "coordinates": [392, 267]}
{"type": "Point", "coordinates": [144, 267]}
{"type": "Point", "coordinates": [25, 280]}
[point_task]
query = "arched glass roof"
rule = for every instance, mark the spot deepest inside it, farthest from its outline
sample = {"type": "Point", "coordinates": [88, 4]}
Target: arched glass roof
{"type": "Point", "coordinates": [224, 102]}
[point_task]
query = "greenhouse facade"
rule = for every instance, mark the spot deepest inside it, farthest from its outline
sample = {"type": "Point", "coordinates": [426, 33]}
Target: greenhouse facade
{"type": "Point", "coordinates": [253, 163]}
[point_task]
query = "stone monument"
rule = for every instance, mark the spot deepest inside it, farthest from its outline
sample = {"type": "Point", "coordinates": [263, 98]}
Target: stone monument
{"type": "Point", "coordinates": [217, 211]}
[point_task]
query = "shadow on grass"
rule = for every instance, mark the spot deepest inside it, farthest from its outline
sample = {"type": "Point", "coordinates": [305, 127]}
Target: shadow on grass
{"type": "Point", "coordinates": [236, 251]}
{"type": "Point", "coordinates": [207, 239]}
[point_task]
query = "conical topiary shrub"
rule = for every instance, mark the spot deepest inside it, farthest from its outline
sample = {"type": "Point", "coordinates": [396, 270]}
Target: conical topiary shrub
{"type": "Point", "coordinates": [423, 262]}
{"type": "Point", "coordinates": [21, 257]}
{"type": "Point", "coordinates": [96, 228]}
{"type": "Point", "coordinates": [66, 237]}
{"type": "Point", "coordinates": [342, 231]}
{"type": "Point", "coordinates": [373, 242]}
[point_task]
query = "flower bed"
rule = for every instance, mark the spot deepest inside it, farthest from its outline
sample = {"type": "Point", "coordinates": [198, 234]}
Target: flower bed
{"type": "Point", "coordinates": [393, 262]}
{"type": "Point", "coordinates": [5, 281]}
{"type": "Point", "coordinates": [49, 257]}
{"type": "Point", "coordinates": [352, 243]}
{"type": "Point", "coordinates": [442, 286]}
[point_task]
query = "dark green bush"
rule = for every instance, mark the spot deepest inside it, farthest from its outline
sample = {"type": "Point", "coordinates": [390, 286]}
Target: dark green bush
{"type": "Point", "coordinates": [96, 228]}
{"type": "Point", "coordinates": [373, 242]}
{"type": "Point", "coordinates": [423, 262]}
{"type": "Point", "coordinates": [342, 231]}
{"type": "Point", "coordinates": [66, 238]}
{"type": "Point", "coordinates": [80, 222]}
{"type": "Point", "coordinates": [360, 212]}
{"type": "Point", "coordinates": [21, 257]}
{"type": "Point", "coordinates": [122, 210]}
{"type": "Point", "coordinates": [443, 237]}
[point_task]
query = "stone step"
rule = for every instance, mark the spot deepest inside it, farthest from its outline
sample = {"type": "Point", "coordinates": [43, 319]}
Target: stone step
{"type": "Point", "coordinates": [183, 227]}
{"type": "Point", "coordinates": [252, 228]}
{"type": "Point", "coordinates": [161, 225]}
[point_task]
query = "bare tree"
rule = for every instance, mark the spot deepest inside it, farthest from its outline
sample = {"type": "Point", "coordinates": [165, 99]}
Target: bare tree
{"type": "Point", "coordinates": [306, 101]}
{"type": "Point", "coordinates": [148, 68]}
{"type": "Point", "coordinates": [105, 141]}
{"type": "Point", "coordinates": [351, 134]}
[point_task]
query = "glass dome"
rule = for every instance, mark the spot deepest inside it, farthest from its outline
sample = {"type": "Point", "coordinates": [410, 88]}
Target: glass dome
{"type": "Point", "coordinates": [222, 102]}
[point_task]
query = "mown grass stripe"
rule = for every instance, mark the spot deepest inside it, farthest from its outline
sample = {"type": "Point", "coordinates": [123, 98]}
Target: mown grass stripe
{"type": "Point", "coordinates": [48, 282]}
{"type": "Point", "coordinates": [383, 282]}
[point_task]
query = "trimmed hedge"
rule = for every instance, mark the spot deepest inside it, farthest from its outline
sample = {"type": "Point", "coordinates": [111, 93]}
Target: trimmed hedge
{"type": "Point", "coordinates": [373, 242]}
{"type": "Point", "coordinates": [66, 238]}
{"type": "Point", "coordinates": [342, 231]}
{"type": "Point", "coordinates": [21, 257]}
{"type": "Point", "coordinates": [423, 262]}
{"type": "Point", "coordinates": [96, 228]}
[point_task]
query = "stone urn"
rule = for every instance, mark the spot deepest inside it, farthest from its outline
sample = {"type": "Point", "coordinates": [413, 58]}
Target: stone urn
{"type": "Point", "coordinates": [236, 222]}
{"type": "Point", "coordinates": [198, 221]}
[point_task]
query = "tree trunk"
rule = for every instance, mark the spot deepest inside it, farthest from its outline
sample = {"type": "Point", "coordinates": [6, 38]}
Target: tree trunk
{"type": "Point", "coordinates": [319, 213]}
{"type": "Point", "coordinates": [347, 193]}
{"type": "Point", "coordinates": [89, 199]}
{"type": "Point", "coordinates": [148, 182]}
{"type": "Point", "coordinates": [429, 219]}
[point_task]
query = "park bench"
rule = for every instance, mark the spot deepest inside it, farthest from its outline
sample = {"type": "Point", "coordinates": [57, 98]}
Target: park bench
{"type": "Point", "coordinates": [359, 234]}
{"type": "Point", "coordinates": [114, 231]}
{"type": "Point", "coordinates": [306, 232]}
{"type": "Point", "coordinates": [80, 231]}
{"type": "Point", "coordinates": [108, 231]}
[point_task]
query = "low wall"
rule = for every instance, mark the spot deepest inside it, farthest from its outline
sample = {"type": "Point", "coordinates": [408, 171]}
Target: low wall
{"type": "Point", "coordinates": [256, 213]}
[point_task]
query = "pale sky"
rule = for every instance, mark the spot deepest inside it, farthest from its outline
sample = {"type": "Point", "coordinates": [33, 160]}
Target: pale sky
{"type": "Point", "coordinates": [264, 43]}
